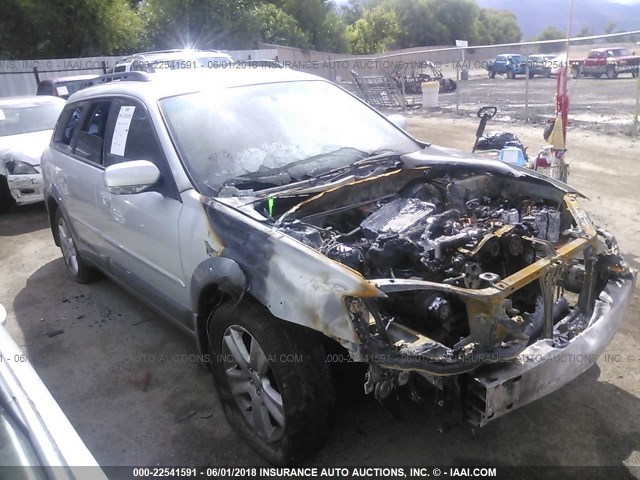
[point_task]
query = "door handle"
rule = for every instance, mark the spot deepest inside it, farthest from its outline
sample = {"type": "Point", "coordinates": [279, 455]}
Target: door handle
{"type": "Point", "coordinates": [106, 199]}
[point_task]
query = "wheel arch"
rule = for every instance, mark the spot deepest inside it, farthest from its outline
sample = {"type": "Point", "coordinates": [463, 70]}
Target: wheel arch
{"type": "Point", "coordinates": [214, 281]}
{"type": "Point", "coordinates": [52, 209]}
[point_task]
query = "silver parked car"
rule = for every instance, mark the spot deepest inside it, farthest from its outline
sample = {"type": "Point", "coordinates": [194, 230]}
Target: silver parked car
{"type": "Point", "coordinates": [275, 218]}
{"type": "Point", "coordinates": [37, 441]}
{"type": "Point", "coordinates": [26, 125]}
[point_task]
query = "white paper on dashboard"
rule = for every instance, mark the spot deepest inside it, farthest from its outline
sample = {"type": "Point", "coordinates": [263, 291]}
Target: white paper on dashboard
{"type": "Point", "coordinates": [121, 130]}
{"type": "Point", "coordinates": [63, 90]}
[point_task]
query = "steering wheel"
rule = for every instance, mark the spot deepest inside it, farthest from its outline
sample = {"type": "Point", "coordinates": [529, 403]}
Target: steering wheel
{"type": "Point", "coordinates": [488, 112]}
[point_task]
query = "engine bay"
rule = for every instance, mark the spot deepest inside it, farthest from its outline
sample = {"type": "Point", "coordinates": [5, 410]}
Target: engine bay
{"type": "Point", "coordinates": [469, 231]}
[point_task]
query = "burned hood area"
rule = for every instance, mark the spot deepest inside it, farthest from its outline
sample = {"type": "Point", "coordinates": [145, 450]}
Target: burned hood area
{"type": "Point", "coordinates": [457, 229]}
{"type": "Point", "coordinates": [438, 236]}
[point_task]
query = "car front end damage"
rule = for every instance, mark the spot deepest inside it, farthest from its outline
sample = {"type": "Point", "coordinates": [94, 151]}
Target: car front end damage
{"type": "Point", "coordinates": [507, 360]}
{"type": "Point", "coordinates": [464, 273]}
{"type": "Point", "coordinates": [24, 179]}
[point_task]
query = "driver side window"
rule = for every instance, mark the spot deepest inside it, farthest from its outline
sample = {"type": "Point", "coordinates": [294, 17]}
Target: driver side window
{"type": "Point", "coordinates": [131, 136]}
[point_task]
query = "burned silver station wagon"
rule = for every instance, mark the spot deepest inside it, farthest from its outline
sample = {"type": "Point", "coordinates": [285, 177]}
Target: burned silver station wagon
{"type": "Point", "coordinates": [273, 215]}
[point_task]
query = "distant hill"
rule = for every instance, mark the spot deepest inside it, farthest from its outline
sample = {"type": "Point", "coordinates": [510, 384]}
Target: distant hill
{"type": "Point", "coordinates": [535, 16]}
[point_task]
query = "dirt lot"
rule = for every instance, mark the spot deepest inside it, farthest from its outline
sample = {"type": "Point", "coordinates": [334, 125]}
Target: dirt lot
{"type": "Point", "coordinates": [600, 105]}
{"type": "Point", "coordinates": [96, 366]}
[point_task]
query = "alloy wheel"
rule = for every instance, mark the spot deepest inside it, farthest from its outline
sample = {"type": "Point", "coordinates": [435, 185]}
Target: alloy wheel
{"type": "Point", "coordinates": [252, 382]}
{"type": "Point", "coordinates": [68, 247]}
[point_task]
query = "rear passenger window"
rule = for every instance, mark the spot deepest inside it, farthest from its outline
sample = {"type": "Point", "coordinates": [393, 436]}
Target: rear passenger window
{"type": "Point", "coordinates": [67, 125]}
{"type": "Point", "coordinates": [91, 138]}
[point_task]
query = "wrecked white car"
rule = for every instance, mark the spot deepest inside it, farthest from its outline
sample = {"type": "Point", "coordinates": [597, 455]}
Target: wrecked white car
{"type": "Point", "coordinates": [271, 214]}
{"type": "Point", "coordinates": [26, 124]}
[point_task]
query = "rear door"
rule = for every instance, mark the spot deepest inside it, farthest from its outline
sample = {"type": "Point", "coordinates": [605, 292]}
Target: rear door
{"type": "Point", "coordinates": [141, 229]}
{"type": "Point", "coordinates": [77, 153]}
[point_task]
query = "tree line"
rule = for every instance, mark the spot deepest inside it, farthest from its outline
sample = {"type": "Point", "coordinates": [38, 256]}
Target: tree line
{"type": "Point", "coordinates": [77, 28]}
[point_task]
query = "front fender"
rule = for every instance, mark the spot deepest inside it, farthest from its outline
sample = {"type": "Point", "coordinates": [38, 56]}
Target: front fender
{"type": "Point", "coordinates": [222, 272]}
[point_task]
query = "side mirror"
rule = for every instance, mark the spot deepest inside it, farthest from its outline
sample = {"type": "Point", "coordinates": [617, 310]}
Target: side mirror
{"type": "Point", "coordinates": [399, 121]}
{"type": "Point", "coordinates": [131, 177]}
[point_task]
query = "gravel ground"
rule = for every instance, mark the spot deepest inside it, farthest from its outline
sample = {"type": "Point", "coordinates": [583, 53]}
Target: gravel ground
{"type": "Point", "coordinates": [98, 367]}
{"type": "Point", "coordinates": [600, 105]}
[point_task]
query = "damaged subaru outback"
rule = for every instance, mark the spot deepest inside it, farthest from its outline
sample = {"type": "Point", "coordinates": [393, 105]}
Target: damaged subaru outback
{"type": "Point", "coordinates": [274, 217]}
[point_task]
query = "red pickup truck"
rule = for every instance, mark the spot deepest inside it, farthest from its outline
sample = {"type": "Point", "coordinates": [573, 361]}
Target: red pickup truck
{"type": "Point", "coordinates": [606, 61]}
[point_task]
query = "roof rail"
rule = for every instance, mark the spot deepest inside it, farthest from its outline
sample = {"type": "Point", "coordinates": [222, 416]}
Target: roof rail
{"type": "Point", "coordinates": [171, 50]}
{"type": "Point", "coordinates": [119, 76]}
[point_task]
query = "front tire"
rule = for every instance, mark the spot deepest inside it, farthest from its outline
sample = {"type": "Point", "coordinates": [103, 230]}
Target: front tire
{"type": "Point", "coordinates": [6, 199]}
{"type": "Point", "coordinates": [77, 268]}
{"type": "Point", "coordinates": [272, 380]}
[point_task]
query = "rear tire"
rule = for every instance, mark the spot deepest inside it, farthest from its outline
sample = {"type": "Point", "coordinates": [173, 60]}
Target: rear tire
{"type": "Point", "coordinates": [272, 380]}
{"type": "Point", "coordinates": [77, 268]}
{"type": "Point", "coordinates": [7, 201]}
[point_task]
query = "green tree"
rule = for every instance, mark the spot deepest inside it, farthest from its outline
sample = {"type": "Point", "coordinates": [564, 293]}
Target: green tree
{"type": "Point", "coordinates": [320, 21]}
{"type": "Point", "coordinates": [206, 24]}
{"type": "Point", "coordinates": [374, 32]}
{"type": "Point", "coordinates": [41, 29]}
{"type": "Point", "coordinates": [442, 22]}
{"type": "Point", "coordinates": [550, 33]}
{"type": "Point", "coordinates": [352, 11]}
{"type": "Point", "coordinates": [418, 24]}
{"type": "Point", "coordinates": [278, 27]}
{"type": "Point", "coordinates": [496, 27]}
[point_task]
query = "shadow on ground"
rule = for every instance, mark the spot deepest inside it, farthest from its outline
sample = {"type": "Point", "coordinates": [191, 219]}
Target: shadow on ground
{"type": "Point", "coordinates": [109, 340]}
{"type": "Point", "coordinates": [26, 219]}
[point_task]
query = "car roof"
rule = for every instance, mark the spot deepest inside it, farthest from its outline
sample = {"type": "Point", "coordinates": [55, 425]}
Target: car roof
{"type": "Point", "coordinates": [155, 86]}
{"type": "Point", "coordinates": [29, 100]}
{"type": "Point", "coordinates": [173, 55]}
{"type": "Point", "coordinates": [70, 78]}
{"type": "Point", "coordinates": [605, 49]}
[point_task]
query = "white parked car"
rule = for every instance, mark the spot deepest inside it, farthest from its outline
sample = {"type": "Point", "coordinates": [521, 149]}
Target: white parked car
{"type": "Point", "coordinates": [558, 62]}
{"type": "Point", "coordinates": [26, 125]}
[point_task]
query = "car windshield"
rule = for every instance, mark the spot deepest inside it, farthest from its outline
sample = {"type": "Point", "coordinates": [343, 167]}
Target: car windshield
{"type": "Point", "coordinates": [291, 131]}
{"type": "Point", "coordinates": [619, 52]}
{"type": "Point", "coordinates": [28, 117]}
